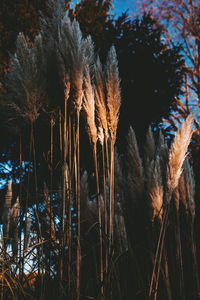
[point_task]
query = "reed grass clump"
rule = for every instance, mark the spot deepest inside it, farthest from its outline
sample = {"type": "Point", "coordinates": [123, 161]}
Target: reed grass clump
{"type": "Point", "coordinates": [123, 229]}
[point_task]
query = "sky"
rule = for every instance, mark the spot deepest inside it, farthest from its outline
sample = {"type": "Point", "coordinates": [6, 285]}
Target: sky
{"type": "Point", "coordinates": [120, 6]}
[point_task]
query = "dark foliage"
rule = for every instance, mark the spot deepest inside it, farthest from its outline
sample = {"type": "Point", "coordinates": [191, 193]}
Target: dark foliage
{"type": "Point", "coordinates": [17, 16]}
{"type": "Point", "coordinates": [151, 73]}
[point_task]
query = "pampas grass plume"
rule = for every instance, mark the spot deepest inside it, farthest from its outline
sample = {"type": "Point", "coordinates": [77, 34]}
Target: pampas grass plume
{"type": "Point", "coordinates": [100, 105]}
{"type": "Point", "coordinates": [113, 92]}
{"type": "Point", "coordinates": [135, 176]}
{"type": "Point", "coordinates": [156, 191]}
{"type": "Point", "coordinates": [178, 152]}
{"type": "Point", "coordinates": [89, 108]}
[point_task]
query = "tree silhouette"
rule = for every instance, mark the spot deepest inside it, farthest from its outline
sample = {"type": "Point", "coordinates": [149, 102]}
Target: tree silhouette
{"type": "Point", "coordinates": [151, 73]}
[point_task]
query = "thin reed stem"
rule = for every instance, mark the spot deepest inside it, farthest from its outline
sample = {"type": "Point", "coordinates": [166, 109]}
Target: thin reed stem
{"type": "Point", "coordinates": [78, 266]}
{"type": "Point", "coordinates": [105, 207]}
{"type": "Point", "coordinates": [111, 213]}
{"type": "Point", "coordinates": [158, 254]}
{"type": "Point", "coordinates": [69, 207]}
{"type": "Point", "coordinates": [179, 256]}
{"type": "Point", "coordinates": [99, 221]}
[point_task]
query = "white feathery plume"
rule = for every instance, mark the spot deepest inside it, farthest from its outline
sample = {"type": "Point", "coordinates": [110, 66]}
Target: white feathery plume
{"type": "Point", "coordinates": [88, 51]}
{"type": "Point", "coordinates": [149, 148]}
{"type": "Point", "coordinates": [160, 141]}
{"type": "Point", "coordinates": [51, 21]}
{"type": "Point", "coordinates": [89, 107]}
{"type": "Point", "coordinates": [155, 190]}
{"type": "Point", "coordinates": [113, 93]}
{"type": "Point", "coordinates": [178, 152]}
{"type": "Point", "coordinates": [135, 175]}
{"type": "Point", "coordinates": [100, 104]}
{"type": "Point", "coordinates": [26, 79]}
{"type": "Point", "coordinates": [120, 231]}
{"type": "Point", "coordinates": [72, 48]}
{"type": "Point", "coordinates": [100, 134]}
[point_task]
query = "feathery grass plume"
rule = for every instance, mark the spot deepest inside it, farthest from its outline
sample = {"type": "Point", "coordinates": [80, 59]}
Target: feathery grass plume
{"type": "Point", "coordinates": [120, 231]}
{"type": "Point", "coordinates": [6, 211]}
{"type": "Point", "coordinates": [100, 104]}
{"type": "Point", "coordinates": [88, 51]}
{"type": "Point", "coordinates": [51, 21]}
{"type": "Point", "coordinates": [149, 148]}
{"type": "Point", "coordinates": [89, 108]}
{"type": "Point", "coordinates": [160, 141]}
{"type": "Point", "coordinates": [72, 48]}
{"type": "Point", "coordinates": [64, 76]}
{"type": "Point", "coordinates": [177, 153]}
{"type": "Point", "coordinates": [113, 102]}
{"type": "Point", "coordinates": [26, 79]}
{"type": "Point", "coordinates": [155, 190]}
{"type": "Point", "coordinates": [113, 94]}
{"type": "Point", "coordinates": [156, 173]}
{"type": "Point", "coordinates": [135, 172]}
{"type": "Point", "coordinates": [89, 207]}
{"type": "Point", "coordinates": [100, 135]}
{"type": "Point", "coordinates": [190, 188]}
{"type": "Point", "coordinates": [14, 220]}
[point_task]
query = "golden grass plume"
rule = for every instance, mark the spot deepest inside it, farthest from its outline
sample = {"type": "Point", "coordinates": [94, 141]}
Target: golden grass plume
{"type": "Point", "coordinates": [178, 152]}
